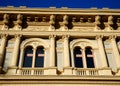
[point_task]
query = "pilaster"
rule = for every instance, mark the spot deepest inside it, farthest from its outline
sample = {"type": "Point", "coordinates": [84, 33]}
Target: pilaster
{"type": "Point", "coordinates": [115, 50]}
{"type": "Point", "coordinates": [66, 51]}
{"type": "Point", "coordinates": [13, 67]}
{"type": "Point", "coordinates": [102, 51]}
{"type": "Point", "coordinates": [52, 50]}
{"type": "Point", "coordinates": [2, 49]}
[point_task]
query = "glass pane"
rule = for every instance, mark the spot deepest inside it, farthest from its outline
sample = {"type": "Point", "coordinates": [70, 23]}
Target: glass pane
{"type": "Point", "coordinates": [39, 57]}
{"type": "Point", "coordinates": [78, 58]}
{"type": "Point", "coordinates": [89, 58]}
{"type": "Point", "coordinates": [28, 57]}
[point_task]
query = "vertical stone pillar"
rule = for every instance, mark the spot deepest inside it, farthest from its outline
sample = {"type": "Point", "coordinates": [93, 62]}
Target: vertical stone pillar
{"type": "Point", "coordinates": [102, 51]}
{"type": "Point", "coordinates": [13, 67]}
{"type": "Point", "coordinates": [52, 51]}
{"type": "Point", "coordinates": [115, 50]}
{"type": "Point", "coordinates": [66, 51]}
{"type": "Point", "coordinates": [16, 50]}
{"type": "Point", "coordinates": [2, 49]}
{"type": "Point", "coordinates": [34, 56]}
{"type": "Point", "coordinates": [84, 58]}
{"type": "Point", "coordinates": [21, 57]}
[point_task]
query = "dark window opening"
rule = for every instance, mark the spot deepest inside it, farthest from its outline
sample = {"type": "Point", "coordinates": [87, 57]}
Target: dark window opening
{"type": "Point", "coordinates": [28, 56]}
{"type": "Point", "coordinates": [78, 57]}
{"type": "Point", "coordinates": [39, 61]}
{"type": "Point", "coordinates": [89, 58]}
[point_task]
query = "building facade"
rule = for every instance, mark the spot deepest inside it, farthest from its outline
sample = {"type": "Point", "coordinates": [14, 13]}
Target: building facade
{"type": "Point", "coordinates": [59, 46]}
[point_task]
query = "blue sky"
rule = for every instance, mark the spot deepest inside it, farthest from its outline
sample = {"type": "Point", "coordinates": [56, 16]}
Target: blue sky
{"type": "Point", "coordinates": [62, 3]}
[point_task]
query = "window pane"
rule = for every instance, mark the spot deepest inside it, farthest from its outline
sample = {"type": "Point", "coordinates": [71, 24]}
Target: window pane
{"type": "Point", "coordinates": [89, 58]}
{"type": "Point", "coordinates": [39, 57]}
{"type": "Point", "coordinates": [78, 58]}
{"type": "Point", "coordinates": [28, 57]}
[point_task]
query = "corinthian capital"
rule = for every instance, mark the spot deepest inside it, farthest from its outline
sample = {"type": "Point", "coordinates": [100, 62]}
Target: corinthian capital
{"type": "Point", "coordinates": [18, 36]}
{"type": "Point", "coordinates": [4, 36]}
{"type": "Point", "coordinates": [65, 36]}
{"type": "Point", "coordinates": [112, 37]}
{"type": "Point", "coordinates": [52, 36]}
{"type": "Point", "coordinates": [99, 37]}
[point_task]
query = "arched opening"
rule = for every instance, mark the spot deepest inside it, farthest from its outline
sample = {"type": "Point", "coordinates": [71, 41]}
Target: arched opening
{"type": "Point", "coordinates": [89, 57]}
{"type": "Point", "coordinates": [39, 61]}
{"type": "Point", "coordinates": [28, 56]}
{"type": "Point", "coordinates": [78, 57]}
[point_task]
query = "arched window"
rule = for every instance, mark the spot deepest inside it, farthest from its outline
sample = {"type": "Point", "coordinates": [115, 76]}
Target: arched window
{"type": "Point", "coordinates": [89, 57]}
{"type": "Point", "coordinates": [28, 56]}
{"type": "Point", "coordinates": [78, 57]}
{"type": "Point", "coordinates": [33, 57]}
{"type": "Point", "coordinates": [39, 61]}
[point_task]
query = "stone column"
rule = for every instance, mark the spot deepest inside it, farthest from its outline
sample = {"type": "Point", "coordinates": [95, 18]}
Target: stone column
{"type": "Point", "coordinates": [84, 58]}
{"type": "Point", "coordinates": [66, 51]}
{"type": "Point", "coordinates": [16, 50]}
{"type": "Point", "coordinates": [2, 49]}
{"type": "Point", "coordinates": [115, 50]}
{"type": "Point", "coordinates": [52, 51]}
{"type": "Point", "coordinates": [13, 68]}
{"type": "Point", "coordinates": [34, 56]}
{"type": "Point", "coordinates": [102, 51]}
{"type": "Point", "coordinates": [21, 57]}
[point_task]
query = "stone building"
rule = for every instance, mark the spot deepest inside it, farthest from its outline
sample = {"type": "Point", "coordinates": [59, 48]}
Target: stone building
{"type": "Point", "coordinates": [59, 46]}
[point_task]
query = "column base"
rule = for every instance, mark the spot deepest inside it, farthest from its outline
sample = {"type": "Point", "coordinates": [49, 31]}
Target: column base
{"type": "Point", "coordinates": [0, 70]}
{"type": "Point", "coordinates": [50, 71]}
{"type": "Point", "coordinates": [67, 71]}
{"type": "Point", "coordinates": [12, 71]}
{"type": "Point", "coordinates": [118, 72]}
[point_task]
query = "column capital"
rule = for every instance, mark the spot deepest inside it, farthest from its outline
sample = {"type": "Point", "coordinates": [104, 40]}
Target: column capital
{"type": "Point", "coordinates": [52, 36]}
{"type": "Point", "coordinates": [4, 36]}
{"type": "Point", "coordinates": [18, 35]}
{"type": "Point", "coordinates": [65, 36]}
{"type": "Point", "coordinates": [99, 37]}
{"type": "Point", "coordinates": [112, 37]}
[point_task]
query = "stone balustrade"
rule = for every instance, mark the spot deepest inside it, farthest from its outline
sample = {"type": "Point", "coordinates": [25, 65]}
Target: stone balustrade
{"type": "Point", "coordinates": [92, 71]}
{"type": "Point", "coordinates": [30, 71]}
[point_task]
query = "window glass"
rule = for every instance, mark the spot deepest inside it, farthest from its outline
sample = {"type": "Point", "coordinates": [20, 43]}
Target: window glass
{"type": "Point", "coordinates": [78, 57]}
{"type": "Point", "coordinates": [28, 57]}
{"type": "Point", "coordinates": [89, 58]}
{"type": "Point", "coordinates": [39, 61]}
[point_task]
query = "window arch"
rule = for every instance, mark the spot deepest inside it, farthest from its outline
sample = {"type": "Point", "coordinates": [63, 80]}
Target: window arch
{"type": "Point", "coordinates": [83, 58]}
{"type": "Point", "coordinates": [89, 57]}
{"type": "Point", "coordinates": [78, 57]}
{"type": "Point", "coordinates": [33, 57]}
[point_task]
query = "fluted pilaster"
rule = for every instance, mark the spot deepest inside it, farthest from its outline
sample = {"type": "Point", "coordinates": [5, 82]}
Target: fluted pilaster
{"type": "Point", "coordinates": [2, 49]}
{"type": "Point", "coordinates": [115, 50]}
{"type": "Point", "coordinates": [16, 50]}
{"type": "Point", "coordinates": [66, 51]}
{"type": "Point", "coordinates": [102, 51]}
{"type": "Point", "coordinates": [52, 50]}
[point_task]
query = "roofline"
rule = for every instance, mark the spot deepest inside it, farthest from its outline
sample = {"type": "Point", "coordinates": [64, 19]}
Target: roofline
{"type": "Point", "coordinates": [63, 10]}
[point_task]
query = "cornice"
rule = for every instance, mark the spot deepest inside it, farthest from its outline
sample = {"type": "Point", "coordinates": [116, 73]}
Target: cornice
{"type": "Point", "coordinates": [61, 33]}
{"type": "Point", "coordinates": [68, 11]}
{"type": "Point", "coordinates": [50, 79]}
